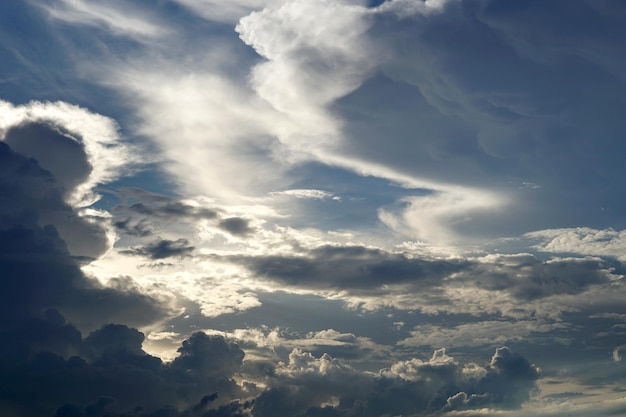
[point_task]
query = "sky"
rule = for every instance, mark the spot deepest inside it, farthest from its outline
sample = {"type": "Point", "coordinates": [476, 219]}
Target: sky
{"type": "Point", "coordinates": [312, 208]}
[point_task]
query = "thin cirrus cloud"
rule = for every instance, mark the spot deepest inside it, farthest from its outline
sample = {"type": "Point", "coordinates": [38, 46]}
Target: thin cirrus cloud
{"type": "Point", "coordinates": [371, 208]}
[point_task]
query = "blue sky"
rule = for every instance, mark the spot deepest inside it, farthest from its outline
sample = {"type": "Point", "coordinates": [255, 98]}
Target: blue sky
{"type": "Point", "coordinates": [312, 208]}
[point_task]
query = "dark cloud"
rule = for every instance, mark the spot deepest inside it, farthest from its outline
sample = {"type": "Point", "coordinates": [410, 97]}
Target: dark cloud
{"type": "Point", "coordinates": [32, 195]}
{"type": "Point", "coordinates": [108, 373]}
{"type": "Point", "coordinates": [235, 226]}
{"type": "Point", "coordinates": [38, 271]}
{"type": "Point", "coordinates": [350, 267]}
{"type": "Point", "coordinates": [528, 278]}
{"type": "Point", "coordinates": [140, 201]}
{"type": "Point", "coordinates": [375, 272]}
{"type": "Point", "coordinates": [55, 151]}
{"type": "Point", "coordinates": [46, 365]}
{"type": "Point", "coordinates": [162, 249]}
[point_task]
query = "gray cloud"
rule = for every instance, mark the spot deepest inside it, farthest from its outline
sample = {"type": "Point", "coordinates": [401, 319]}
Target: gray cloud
{"type": "Point", "coordinates": [162, 249]}
{"type": "Point", "coordinates": [55, 151]}
{"type": "Point", "coordinates": [38, 270]}
{"type": "Point", "coordinates": [143, 213]}
{"type": "Point", "coordinates": [350, 267]}
{"type": "Point", "coordinates": [527, 278]}
{"type": "Point", "coordinates": [32, 197]}
{"type": "Point", "coordinates": [482, 93]}
{"type": "Point", "coordinates": [235, 226]}
{"type": "Point", "coordinates": [109, 373]}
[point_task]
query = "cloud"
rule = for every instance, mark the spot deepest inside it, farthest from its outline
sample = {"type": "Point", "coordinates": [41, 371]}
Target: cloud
{"type": "Point", "coordinates": [303, 193]}
{"type": "Point", "coordinates": [162, 249]}
{"type": "Point", "coordinates": [581, 240]}
{"type": "Point", "coordinates": [142, 213]}
{"type": "Point", "coordinates": [75, 129]}
{"type": "Point", "coordinates": [528, 278]}
{"type": "Point", "coordinates": [214, 10]}
{"type": "Point", "coordinates": [482, 333]}
{"type": "Point", "coordinates": [46, 364]}
{"type": "Point", "coordinates": [304, 384]}
{"type": "Point", "coordinates": [349, 267]}
{"type": "Point", "coordinates": [38, 270]}
{"type": "Point", "coordinates": [235, 226]}
{"type": "Point", "coordinates": [434, 217]}
{"type": "Point", "coordinates": [460, 121]}
{"type": "Point", "coordinates": [55, 151]}
{"type": "Point", "coordinates": [67, 167]}
{"type": "Point", "coordinates": [108, 372]}
{"type": "Point", "coordinates": [122, 18]}
{"type": "Point", "coordinates": [519, 286]}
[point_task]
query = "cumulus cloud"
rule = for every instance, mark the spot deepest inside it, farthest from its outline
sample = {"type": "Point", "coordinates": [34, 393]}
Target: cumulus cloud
{"type": "Point", "coordinates": [39, 271]}
{"type": "Point", "coordinates": [311, 386]}
{"type": "Point", "coordinates": [108, 372]}
{"type": "Point", "coordinates": [490, 119]}
{"type": "Point", "coordinates": [77, 130]}
{"type": "Point", "coordinates": [54, 367]}
{"type": "Point", "coordinates": [47, 365]}
{"type": "Point", "coordinates": [581, 240]}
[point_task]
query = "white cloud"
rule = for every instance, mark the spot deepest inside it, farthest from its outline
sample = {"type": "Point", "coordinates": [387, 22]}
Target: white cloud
{"type": "Point", "coordinates": [305, 193]}
{"type": "Point", "coordinates": [405, 8]}
{"type": "Point", "coordinates": [306, 69]}
{"type": "Point", "coordinates": [582, 240]}
{"type": "Point", "coordinates": [231, 12]}
{"type": "Point", "coordinates": [120, 18]}
{"type": "Point", "coordinates": [434, 218]}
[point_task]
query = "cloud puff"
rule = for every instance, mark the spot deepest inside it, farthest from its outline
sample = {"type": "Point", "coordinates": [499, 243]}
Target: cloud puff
{"type": "Point", "coordinates": [304, 384]}
{"type": "Point", "coordinates": [235, 226]}
{"type": "Point", "coordinates": [581, 240]}
{"type": "Point", "coordinates": [76, 129]}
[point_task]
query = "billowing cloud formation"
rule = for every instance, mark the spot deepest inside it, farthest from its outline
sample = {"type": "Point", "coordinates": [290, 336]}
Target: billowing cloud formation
{"type": "Point", "coordinates": [412, 387]}
{"type": "Point", "coordinates": [55, 369]}
{"type": "Point", "coordinates": [108, 372]}
{"type": "Point", "coordinates": [73, 132]}
{"type": "Point", "coordinates": [38, 270]}
{"type": "Point", "coordinates": [334, 178]}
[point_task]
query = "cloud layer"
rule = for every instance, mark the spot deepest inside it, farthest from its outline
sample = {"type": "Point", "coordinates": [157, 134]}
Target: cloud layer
{"type": "Point", "coordinates": [311, 208]}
